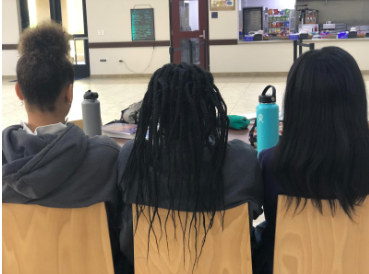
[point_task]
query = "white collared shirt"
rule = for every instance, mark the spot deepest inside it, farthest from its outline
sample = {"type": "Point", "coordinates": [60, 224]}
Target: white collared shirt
{"type": "Point", "coordinates": [49, 129]}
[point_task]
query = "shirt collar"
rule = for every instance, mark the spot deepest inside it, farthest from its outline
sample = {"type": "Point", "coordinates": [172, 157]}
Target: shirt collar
{"type": "Point", "coordinates": [49, 129]}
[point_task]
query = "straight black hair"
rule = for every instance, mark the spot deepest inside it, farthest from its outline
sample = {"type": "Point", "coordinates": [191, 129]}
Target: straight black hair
{"type": "Point", "coordinates": [324, 150]}
{"type": "Point", "coordinates": [181, 109]}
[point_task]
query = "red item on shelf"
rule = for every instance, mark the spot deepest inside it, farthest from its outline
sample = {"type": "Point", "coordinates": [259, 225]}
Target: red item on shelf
{"type": "Point", "coordinates": [275, 11]}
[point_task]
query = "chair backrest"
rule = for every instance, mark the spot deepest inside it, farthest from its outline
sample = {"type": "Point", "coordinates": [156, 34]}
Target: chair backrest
{"type": "Point", "coordinates": [41, 240]}
{"type": "Point", "coordinates": [225, 250]}
{"type": "Point", "coordinates": [310, 242]}
{"type": "Point", "coordinates": [78, 123]}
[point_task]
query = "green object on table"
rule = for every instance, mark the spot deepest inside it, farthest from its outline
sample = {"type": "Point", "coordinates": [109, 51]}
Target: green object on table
{"type": "Point", "coordinates": [238, 122]}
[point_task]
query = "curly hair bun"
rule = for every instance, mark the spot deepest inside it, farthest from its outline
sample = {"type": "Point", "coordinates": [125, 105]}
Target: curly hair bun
{"type": "Point", "coordinates": [47, 41]}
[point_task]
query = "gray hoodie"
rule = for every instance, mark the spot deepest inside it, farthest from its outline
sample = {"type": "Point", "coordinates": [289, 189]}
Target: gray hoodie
{"type": "Point", "coordinates": [64, 170]}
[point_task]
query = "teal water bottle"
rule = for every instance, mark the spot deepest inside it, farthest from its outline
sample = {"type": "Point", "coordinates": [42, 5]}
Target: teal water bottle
{"type": "Point", "coordinates": [267, 117]}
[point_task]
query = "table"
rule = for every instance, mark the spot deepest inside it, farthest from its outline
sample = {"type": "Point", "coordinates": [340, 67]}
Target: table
{"type": "Point", "coordinates": [242, 135]}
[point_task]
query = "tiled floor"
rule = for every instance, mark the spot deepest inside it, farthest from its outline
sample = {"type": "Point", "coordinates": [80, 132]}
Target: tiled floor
{"type": "Point", "coordinates": [240, 94]}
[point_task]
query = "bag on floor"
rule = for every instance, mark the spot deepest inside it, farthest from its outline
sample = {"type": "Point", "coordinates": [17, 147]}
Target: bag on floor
{"type": "Point", "coordinates": [130, 115]}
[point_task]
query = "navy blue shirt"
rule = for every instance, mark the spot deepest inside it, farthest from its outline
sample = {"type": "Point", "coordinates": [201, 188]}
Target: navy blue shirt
{"type": "Point", "coordinates": [271, 191]}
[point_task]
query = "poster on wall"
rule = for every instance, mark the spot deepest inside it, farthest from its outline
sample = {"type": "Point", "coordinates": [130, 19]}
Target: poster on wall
{"type": "Point", "coordinates": [222, 5]}
{"type": "Point", "coordinates": [142, 22]}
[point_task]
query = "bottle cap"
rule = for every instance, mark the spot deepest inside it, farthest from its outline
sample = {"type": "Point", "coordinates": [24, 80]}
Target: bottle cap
{"type": "Point", "coordinates": [91, 95]}
{"type": "Point", "coordinates": [268, 99]}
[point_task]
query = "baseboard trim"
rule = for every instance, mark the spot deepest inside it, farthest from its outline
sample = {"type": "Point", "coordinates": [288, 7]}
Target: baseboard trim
{"type": "Point", "coordinates": [249, 74]}
{"type": "Point", "coordinates": [123, 76]}
{"type": "Point", "coordinates": [260, 74]}
{"type": "Point", "coordinates": [215, 74]}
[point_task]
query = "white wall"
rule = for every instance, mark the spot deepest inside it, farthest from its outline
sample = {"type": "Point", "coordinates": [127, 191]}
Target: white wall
{"type": "Point", "coordinates": [9, 62]}
{"type": "Point", "coordinates": [358, 49]}
{"type": "Point", "coordinates": [11, 31]}
{"type": "Point", "coordinates": [225, 26]}
{"type": "Point", "coordinates": [114, 18]}
{"type": "Point", "coordinates": [275, 57]}
{"type": "Point", "coordinates": [136, 59]}
{"type": "Point", "coordinates": [10, 21]}
{"type": "Point", "coordinates": [258, 57]}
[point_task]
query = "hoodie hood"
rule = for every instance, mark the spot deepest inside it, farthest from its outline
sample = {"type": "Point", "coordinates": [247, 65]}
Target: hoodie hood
{"type": "Point", "coordinates": [35, 165]}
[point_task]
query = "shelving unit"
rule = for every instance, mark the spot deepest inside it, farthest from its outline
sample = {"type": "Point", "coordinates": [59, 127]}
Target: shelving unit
{"type": "Point", "coordinates": [279, 24]}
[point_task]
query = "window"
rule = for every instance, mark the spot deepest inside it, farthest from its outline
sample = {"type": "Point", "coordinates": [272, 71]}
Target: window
{"type": "Point", "coordinates": [67, 12]}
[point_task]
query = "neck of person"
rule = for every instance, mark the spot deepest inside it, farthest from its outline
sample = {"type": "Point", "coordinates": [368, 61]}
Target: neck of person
{"type": "Point", "coordinates": [38, 119]}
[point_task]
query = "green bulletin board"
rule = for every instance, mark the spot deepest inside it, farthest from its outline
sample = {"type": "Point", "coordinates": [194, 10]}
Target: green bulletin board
{"type": "Point", "coordinates": [142, 22]}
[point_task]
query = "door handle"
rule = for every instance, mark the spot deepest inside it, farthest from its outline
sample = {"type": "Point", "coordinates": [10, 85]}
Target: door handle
{"type": "Point", "coordinates": [203, 34]}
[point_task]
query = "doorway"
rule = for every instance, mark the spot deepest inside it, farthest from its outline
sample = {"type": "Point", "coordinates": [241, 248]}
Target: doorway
{"type": "Point", "coordinates": [72, 15]}
{"type": "Point", "coordinates": [189, 32]}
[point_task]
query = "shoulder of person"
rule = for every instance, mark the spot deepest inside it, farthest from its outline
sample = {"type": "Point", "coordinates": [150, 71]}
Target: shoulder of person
{"type": "Point", "coordinates": [126, 151]}
{"type": "Point", "coordinates": [265, 155]}
{"type": "Point", "coordinates": [241, 149]}
{"type": "Point", "coordinates": [123, 158]}
{"type": "Point", "coordinates": [104, 142]}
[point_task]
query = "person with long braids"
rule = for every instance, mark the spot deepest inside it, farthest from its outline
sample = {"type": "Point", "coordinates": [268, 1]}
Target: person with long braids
{"type": "Point", "coordinates": [186, 163]}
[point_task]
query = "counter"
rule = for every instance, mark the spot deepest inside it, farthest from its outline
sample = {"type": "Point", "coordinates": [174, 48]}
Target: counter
{"type": "Point", "coordinates": [305, 40]}
{"type": "Point", "coordinates": [276, 56]}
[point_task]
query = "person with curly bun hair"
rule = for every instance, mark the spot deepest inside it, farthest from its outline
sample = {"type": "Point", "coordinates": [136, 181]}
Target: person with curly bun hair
{"type": "Point", "coordinates": [47, 161]}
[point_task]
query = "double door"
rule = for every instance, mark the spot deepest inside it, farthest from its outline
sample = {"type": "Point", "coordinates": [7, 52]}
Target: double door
{"type": "Point", "coordinates": [72, 16]}
{"type": "Point", "coordinates": [189, 32]}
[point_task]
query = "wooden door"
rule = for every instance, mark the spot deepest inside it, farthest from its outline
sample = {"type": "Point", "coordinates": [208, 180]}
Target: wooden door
{"type": "Point", "coordinates": [189, 29]}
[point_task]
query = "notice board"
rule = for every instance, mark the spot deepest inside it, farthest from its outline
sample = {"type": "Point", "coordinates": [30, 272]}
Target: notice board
{"type": "Point", "coordinates": [142, 22]}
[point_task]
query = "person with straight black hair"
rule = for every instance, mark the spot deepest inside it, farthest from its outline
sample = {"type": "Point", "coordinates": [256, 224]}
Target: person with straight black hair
{"type": "Point", "coordinates": [47, 161]}
{"type": "Point", "coordinates": [324, 150]}
{"type": "Point", "coordinates": [186, 163]}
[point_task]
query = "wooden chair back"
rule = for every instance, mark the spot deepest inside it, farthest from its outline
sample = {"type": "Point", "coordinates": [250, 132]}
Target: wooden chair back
{"type": "Point", "coordinates": [78, 123]}
{"type": "Point", "coordinates": [225, 250]}
{"type": "Point", "coordinates": [309, 242]}
{"type": "Point", "coordinates": [41, 240]}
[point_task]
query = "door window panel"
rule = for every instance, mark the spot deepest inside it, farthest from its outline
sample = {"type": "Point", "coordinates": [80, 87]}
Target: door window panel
{"type": "Point", "coordinates": [72, 16]}
{"type": "Point", "coordinates": [189, 15]}
{"type": "Point", "coordinates": [190, 47]}
{"type": "Point", "coordinates": [39, 10]}
{"type": "Point", "coordinates": [77, 52]}
{"type": "Point", "coordinates": [80, 48]}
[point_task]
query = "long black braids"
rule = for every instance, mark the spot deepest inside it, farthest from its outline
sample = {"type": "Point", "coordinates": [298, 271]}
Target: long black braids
{"type": "Point", "coordinates": [186, 118]}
